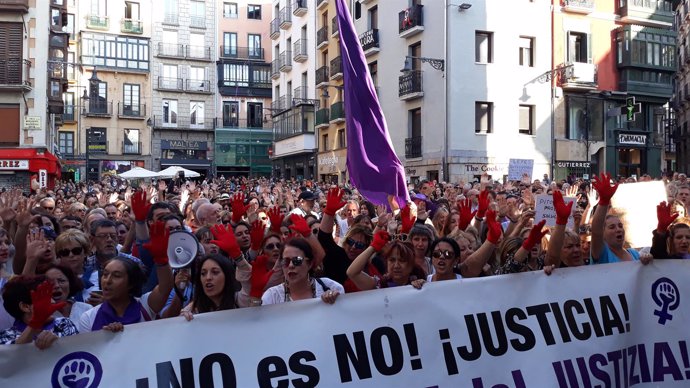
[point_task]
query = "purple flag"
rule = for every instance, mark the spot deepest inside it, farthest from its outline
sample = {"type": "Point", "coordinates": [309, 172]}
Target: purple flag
{"type": "Point", "coordinates": [374, 168]}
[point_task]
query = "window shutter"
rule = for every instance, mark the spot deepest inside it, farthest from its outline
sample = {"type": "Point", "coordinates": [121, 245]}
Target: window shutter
{"type": "Point", "coordinates": [589, 48]}
{"type": "Point", "coordinates": [11, 53]}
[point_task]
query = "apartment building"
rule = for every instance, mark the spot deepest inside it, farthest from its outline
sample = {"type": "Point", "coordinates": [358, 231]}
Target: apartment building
{"type": "Point", "coordinates": [604, 54]}
{"type": "Point", "coordinates": [183, 108]}
{"type": "Point", "coordinates": [32, 78]}
{"type": "Point", "coordinates": [243, 135]}
{"type": "Point", "coordinates": [293, 78]}
{"type": "Point", "coordinates": [677, 143]}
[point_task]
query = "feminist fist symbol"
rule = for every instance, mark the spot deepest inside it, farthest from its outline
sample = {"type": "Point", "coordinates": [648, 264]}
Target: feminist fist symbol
{"type": "Point", "coordinates": [666, 295]}
{"type": "Point", "coordinates": [77, 374]}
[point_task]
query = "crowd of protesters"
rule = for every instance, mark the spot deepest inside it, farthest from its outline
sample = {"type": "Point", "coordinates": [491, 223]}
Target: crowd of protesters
{"type": "Point", "coordinates": [82, 258]}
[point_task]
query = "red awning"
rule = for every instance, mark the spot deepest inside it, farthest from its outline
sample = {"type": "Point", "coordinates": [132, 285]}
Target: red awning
{"type": "Point", "coordinates": [39, 158]}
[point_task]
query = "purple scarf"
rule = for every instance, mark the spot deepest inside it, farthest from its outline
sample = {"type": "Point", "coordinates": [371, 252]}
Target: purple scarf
{"type": "Point", "coordinates": [107, 315]}
{"type": "Point", "coordinates": [374, 168]}
{"type": "Point", "coordinates": [20, 326]}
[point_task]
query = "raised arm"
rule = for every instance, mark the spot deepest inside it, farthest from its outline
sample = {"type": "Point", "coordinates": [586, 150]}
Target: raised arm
{"type": "Point", "coordinates": [472, 266]}
{"type": "Point", "coordinates": [158, 247]}
{"type": "Point", "coordinates": [553, 252]}
{"type": "Point", "coordinates": [334, 201]}
{"type": "Point", "coordinates": [664, 219]}
{"type": "Point", "coordinates": [606, 192]}
{"type": "Point", "coordinates": [356, 270]}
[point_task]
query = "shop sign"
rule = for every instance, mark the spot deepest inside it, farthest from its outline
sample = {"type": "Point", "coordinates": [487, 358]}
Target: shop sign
{"type": "Point", "coordinates": [489, 168]}
{"type": "Point", "coordinates": [43, 178]}
{"type": "Point", "coordinates": [183, 145]}
{"type": "Point", "coordinates": [572, 164]}
{"type": "Point", "coordinates": [630, 138]}
{"type": "Point", "coordinates": [14, 164]}
{"type": "Point", "coordinates": [328, 160]}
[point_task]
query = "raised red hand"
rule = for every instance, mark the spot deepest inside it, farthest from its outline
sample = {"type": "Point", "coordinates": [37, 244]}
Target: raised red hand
{"type": "Point", "coordinates": [562, 210]}
{"type": "Point", "coordinates": [466, 214]}
{"type": "Point", "coordinates": [299, 225]}
{"type": "Point", "coordinates": [334, 201]}
{"type": "Point", "coordinates": [158, 243]}
{"type": "Point", "coordinates": [535, 236]}
{"type": "Point", "coordinates": [407, 220]}
{"type": "Point", "coordinates": [664, 217]}
{"type": "Point", "coordinates": [225, 240]}
{"type": "Point", "coordinates": [260, 276]}
{"type": "Point", "coordinates": [256, 234]}
{"type": "Point", "coordinates": [494, 229]}
{"type": "Point", "coordinates": [42, 305]}
{"type": "Point", "coordinates": [140, 206]}
{"type": "Point", "coordinates": [276, 218]}
{"type": "Point", "coordinates": [381, 238]}
{"type": "Point", "coordinates": [483, 203]}
{"type": "Point", "coordinates": [604, 188]}
{"type": "Point", "coordinates": [239, 209]}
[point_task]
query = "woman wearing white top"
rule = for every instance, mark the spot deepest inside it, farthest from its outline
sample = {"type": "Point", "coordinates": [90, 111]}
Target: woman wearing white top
{"type": "Point", "coordinates": [65, 286]}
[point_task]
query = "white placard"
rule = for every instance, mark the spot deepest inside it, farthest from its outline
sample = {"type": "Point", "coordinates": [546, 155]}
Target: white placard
{"type": "Point", "coordinates": [544, 210]}
{"type": "Point", "coordinates": [519, 167]}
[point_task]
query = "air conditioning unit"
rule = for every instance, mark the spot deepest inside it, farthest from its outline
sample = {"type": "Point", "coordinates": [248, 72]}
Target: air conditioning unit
{"type": "Point", "coordinates": [583, 72]}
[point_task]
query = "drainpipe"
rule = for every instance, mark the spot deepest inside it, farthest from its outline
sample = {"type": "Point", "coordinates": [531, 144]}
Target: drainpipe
{"type": "Point", "coordinates": [445, 167]}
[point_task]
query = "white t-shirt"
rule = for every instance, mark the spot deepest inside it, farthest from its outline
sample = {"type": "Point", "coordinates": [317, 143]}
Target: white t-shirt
{"type": "Point", "coordinates": [78, 308]}
{"type": "Point", "coordinates": [87, 319]}
{"type": "Point", "coordinates": [429, 277]}
{"type": "Point", "coordinates": [276, 294]}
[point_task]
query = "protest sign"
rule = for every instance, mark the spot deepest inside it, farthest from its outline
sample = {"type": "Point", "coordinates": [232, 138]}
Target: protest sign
{"type": "Point", "coordinates": [636, 204]}
{"type": "Point", "coordinates": [544, 210]}
{"type": "Point", "coordinates": [518, 167]}
{"type": "Point", "coordinates": [627, 327]}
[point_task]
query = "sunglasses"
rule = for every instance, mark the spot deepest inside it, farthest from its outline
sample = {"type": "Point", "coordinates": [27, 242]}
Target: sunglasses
{"type": "Point", "coordinates": [448, 255]}
{"type": "Point", "coordinates": [272, 246]}
{"type": "Point", "coordinates": [296, 261]}
{"type": "Point", "coordinates": [356, 244]}
{"type": "Point", "coordinates": [65, 252]}
{"type": "Point", "coordinates": [400, 237]}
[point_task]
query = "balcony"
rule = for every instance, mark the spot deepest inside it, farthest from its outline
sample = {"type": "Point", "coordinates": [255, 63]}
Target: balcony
{"type": "Point", "coordinates": [646, 13]}
{"type": "Point", "coordinates": [322, 37]}
{"type": "Point", "coordinates": [131, 26]}
{"type": "Point", "coordinates": [129, 148]}
{"type": "Point", "coordinates": [202, 86]}
{"type": "Point", "coordinates": [234, 52]}
{"type": "Point", "coordinates": [321, 4]}
{"type": "Point", "coordinates": [97, 22]}
{"type": "Point", "coordinates": [171, 19]}
{"type": "Point", "coordinates": [321, 76]}
{"type": "Point", "coordinates": [413, 147]}
{"type": "Point", "coordinates": [14, 74]}
{"type": "Point", "coordinates": [285, 61]}
{"type": "Point", "coordinates": [170, 50]}
{"type": "Point", "coordinates": [14, 6]}
{"type": "Point", "coordinates": [411, 21]}
{"type": "Point", "coordinates": [299, 51]}
{"type": "Point", "coordinates": [337, 113]}
{"type": "Point", "coordinates": [98, 108]}
{"type": "Point", "coordinates": [322, 119]}
{"type": "Point", "coordinates": [410, 85]}
{"type": "Point", "coordinates": [197, 22]}
{"type": "Point", "coordinates": [301, 97]}
{"type": "Point", "coordinates": [275, 69]}
{"type": "Point", "coordinates": [337, 68]}
{"type": "Point", "coordinates": [234, 122]}
{"type": "Point", "coordinates": [275, 28]}
{"type": "Point", "coordinates": [202, 53]}
{"type": "Point", "coordinates": [335, 31]}
{"type": "Point", "coordinates": [579, 6]}
{"type": "Point", "coordinates": [299, 7]}
{"type": "Point", "coordinates": [184, 124]}
{"type": "Point", "coordinates": [370, 42]}
{"type": "Point", "coordinates": [644, 82]}
{"type": "Point", "coordinates": [166, 83]}
{"type": "Point", "coordinates": [68, 116]}
{"type": "Point", "coordinates": [581, 76]}
{"type": "Point", "coordinates": [129, 111]}
{"type": "Point", "coordinates": [285, 17]}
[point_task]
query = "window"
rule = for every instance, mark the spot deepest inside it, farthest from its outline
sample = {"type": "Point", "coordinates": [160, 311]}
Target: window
{"type": "Point", "coordinates": [526, 51]}
{"type": "Point", "coordinates": [70, 26]}
{"type": "Point", "coordinates": [230, 10]}
{"type": "Point", "coordinates": [229, 44]}
{"type": "Point", "coordinates": [254, 12]}
{"type": "Point", "coordinates": [170, 113]}
{"type": "Point", "coordinates": [415, 117]}
{"type": "Point", "coordinates": [254, 44]}
{"type": "Point", "coordinates": [130, 100]}
{"type": "Point", "coordinates": [196, 114]}
{"type": "Point", "coordinates": [325, 142]}
{"type": "Point", "coordinates": [197, 79]}
{"type": "Point", "coordinates": [586, 118]}
{"type": "Point", "coordinates": [68, 100]}
{"type": "Point", "coordinates": [122, 52]}
{"type": "Point", "coordinates": [374, 72]}
{"type": "Point", "coordinates": [483, 112]}
{"type": "Point", "coordinates": [373, 17]}
{"type": "Point", "coordinates": [341, 138]}
{"type": "Point", "coordinates": [98, 101]}
{"type": "Point", "coordinates": [131, 10]}
{"type": "Point", "coordinates": [527, 119]}
{"type": "Point", "coordinates": [231, 114]}
{"type": "Point", "coordinates": [11, 51]}
{"type": "Point", "coordinates": [483, 47]}
{"type": "Point", "coordinates": [197, 46]}
{"type": "Point", "coordinates": [170, 11]}
{"type": "Point", "coordinates": [131, 142]}
{"type": "Point", "coordinates": [197, 14]}
{"type": "Point", "coordinates": [255, 114]}
{"type": "Point", "coordinates": [235, 75]}
{"type": "Point", "coordinates": [66, 142]}
{"type": "Point", "coordinates": [71, 66]}
{"type": "Point", "coordinates": [578, 47]}
{"type": "Point", "coordinates": [98, 7]}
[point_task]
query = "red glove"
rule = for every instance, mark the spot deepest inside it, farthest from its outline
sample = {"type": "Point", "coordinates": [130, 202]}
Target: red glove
{"type": "Point", "coordinates": [239, 209]}
{"type": "Point", "coordinates": [483, 203]}
{"type": "Point", "coordinates": [664, 217]}
{"type": "Point", "coordinates": [140, 206]}
{"type": "Point", "coordinates": [299, 225]}
{"type": "Point", "coordinates": [381, 238]}
{"type": "Point", "coordinates": [260, 276]}
{"type": "Point", "coordinates": [406, 219]}
{"type": "Point", "coordinates": [562, 210]}
{"type": "Point", "coordinates": [334, 201]}
{"type": "Point", "coordinates": [494, 228]}
{"type": "Point", "coordinates": [43, 306]}
{"type": "Point", "coordinates": [225, 239]}
{"type": "Point", "coordinates": [276, 218]}
{"type": "Point", "coordinates": [158, 243]}
{"type": "Point", "coordinates": [466, 214]}
{"type": "Point", "coordinates": [535, 236]}
{"type": "Point", "coordinates": [257, 234]}
{"type": "Point", "coordinates": [604, 188]}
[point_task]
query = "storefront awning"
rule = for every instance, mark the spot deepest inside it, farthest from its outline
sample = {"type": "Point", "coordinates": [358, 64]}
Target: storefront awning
{"type": "Point", "coordinates": [39, 159]}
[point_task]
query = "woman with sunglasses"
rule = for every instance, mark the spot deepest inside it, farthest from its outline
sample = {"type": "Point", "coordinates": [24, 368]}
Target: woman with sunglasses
{"type": "Point", "coordinates": [445, 255]}
{"type": "Point", "coordinates": [72, 247]}
{"type": "Point", "coordinates": [297, 263]}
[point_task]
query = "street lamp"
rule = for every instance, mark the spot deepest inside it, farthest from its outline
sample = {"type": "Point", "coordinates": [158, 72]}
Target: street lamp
{"type": "Point", "coordinates": [438, 64]}
{"type": "Point", "coordinates": [89, 98]}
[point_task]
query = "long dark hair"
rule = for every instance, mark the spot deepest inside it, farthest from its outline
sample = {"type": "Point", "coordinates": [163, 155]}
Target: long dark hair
{"type": "Point", "coordinates": [135, 274]}
{"type": "Point", "coordinates": [204, 304]}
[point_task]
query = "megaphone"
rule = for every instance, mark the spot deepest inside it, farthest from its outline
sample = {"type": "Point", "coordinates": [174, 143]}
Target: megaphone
{"type": "Point", "coordinates": [182, 248]}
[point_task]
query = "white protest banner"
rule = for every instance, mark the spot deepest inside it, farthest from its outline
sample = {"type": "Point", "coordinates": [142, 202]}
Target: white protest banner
{"type": "Point", "coordinates": [636, 204]}
{"type": "Point", "coordinates": [518, 167]}
{"type": "Point", "coordinates": [627, 326]}
{"type": "Point", "coordinates": [544, 210]}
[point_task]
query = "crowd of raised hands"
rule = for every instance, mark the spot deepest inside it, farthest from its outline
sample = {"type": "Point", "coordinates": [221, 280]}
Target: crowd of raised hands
{"type": "Point", "coordinates": [81, 258]}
